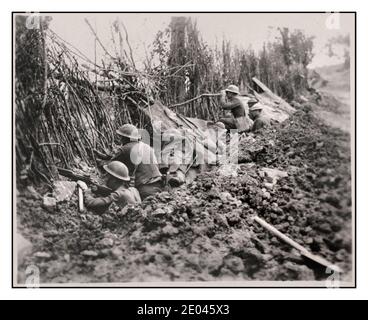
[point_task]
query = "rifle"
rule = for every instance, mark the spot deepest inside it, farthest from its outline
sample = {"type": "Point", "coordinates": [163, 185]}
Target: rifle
{"type": "Point", "coordinates": [100, 189]}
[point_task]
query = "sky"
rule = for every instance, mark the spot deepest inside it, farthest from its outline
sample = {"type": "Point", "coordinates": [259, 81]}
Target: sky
{"type": "Point", "coordinates": [243, 29]}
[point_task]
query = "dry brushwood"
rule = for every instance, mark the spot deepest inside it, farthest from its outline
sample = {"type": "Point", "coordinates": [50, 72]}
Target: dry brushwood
{"type": "Point", "coordinates": [61, 115]}
{"type": "Point", "coordinates": [68, 105]}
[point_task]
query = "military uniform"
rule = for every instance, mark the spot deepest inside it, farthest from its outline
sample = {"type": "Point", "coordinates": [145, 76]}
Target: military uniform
{"type": "Point", "coordinates": [122, 196]}
{"type": "Point", "coordinates": [239, 109]}
{"type": "Point", "coordinates": [143, 166]}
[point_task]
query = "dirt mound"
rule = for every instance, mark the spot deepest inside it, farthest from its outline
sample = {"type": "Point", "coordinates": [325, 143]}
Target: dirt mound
{"type": "Point", "coordinates": [203, 231]}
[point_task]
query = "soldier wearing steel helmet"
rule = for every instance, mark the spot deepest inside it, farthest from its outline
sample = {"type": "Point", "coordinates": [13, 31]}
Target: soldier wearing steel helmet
{"type": "Point", "coordinates": [232, 101]}
{"type": "Point", "coordinates": [118, 180]}
{"type": "Point", "coordinates": [261, 121]}
{"type": "Point", "coordinates": [140, 160]}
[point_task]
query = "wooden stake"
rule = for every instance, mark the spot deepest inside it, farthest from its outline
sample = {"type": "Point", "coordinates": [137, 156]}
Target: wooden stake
{"type": "Point", "coordinates": [80, 199]}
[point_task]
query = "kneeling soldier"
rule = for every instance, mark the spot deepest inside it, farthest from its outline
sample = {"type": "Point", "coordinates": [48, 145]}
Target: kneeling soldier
{"type": "Point", "coordinates": [140, 160]}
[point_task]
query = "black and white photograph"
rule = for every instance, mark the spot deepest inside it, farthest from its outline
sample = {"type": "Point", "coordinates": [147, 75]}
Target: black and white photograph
{"type": "Point", "coordinates": [184, 149]}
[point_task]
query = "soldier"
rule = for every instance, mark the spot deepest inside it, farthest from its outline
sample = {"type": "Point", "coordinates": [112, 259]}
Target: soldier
{"type": "Point", "coordinates": [118, 180]}
{"type": "Point", "coordinates": [261, 121]}
{"type": "Point", "coordinates": [140, 160]}
{"type": "Point", "coordinates": [238, 107]}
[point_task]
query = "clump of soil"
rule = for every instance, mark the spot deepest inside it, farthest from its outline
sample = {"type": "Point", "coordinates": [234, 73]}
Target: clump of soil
{"type": "Point", "coordinates": [203, 231]}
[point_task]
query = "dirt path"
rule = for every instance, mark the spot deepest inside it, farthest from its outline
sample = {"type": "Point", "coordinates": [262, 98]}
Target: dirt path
{"type": "Point", "coordinates": [338, 114]}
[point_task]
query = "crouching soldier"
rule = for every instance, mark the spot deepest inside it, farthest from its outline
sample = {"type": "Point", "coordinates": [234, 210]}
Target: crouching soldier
{"type": "Point", "coordinates": [141, 161]}
{"type": "Point", "coordinates": [261, 121]}
{"type": "Point", "coordinates": [118, 180]}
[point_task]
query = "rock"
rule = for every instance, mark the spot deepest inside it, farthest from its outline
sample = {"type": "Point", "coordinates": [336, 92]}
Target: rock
{"type": "Point", "coordinates": [148, 209]}
{"type": "Point", "coordinates": [268, 185]}
{"type": "Point", "coordinates": [324, 227]}
{"type": "Point", "coordinates": [166, 253]}
{"type": "Point", "coordinates": [49, 203]}
{"type": "Point", "coordinates": [106, 242]}
{"type": "Point", "coordinates": [262, 247]}
{"type": "Point", "coordinates": [116, 253]}
{"type": "Point", "coordinates": [333, 200]}
{"type": "Point", "coordinates": [298, 272]}
{"type": "Point", "coordinates": [266, 194]}
{"type": "Point", "coordinates": [225, 197]}
{"type": "Point", "coordinates": [272, 175]}
{"type": "Point", "coordinates": [319, 144]}
{"type": "Point", "coordinates": [283, 226]}
{"type": "Point", "coordinates": [42, 255]}
{"type": "Point", "coordinates": [228, 170]}
{"type": "Point", "coordinates": [67, 257]}
{"type": "Point", "coordinates": [63, 190]}
{"type": "Point", "coordinates": [252, 258]}
{"type": "Point", "coordinates": [274, 205]}
{"type": "Point", "coordinates": [308, 229]}
{"type": "Point", "coordinates": [214, 262]}
{"type": "Point", "coordinates": [24, 248]}
{"type": "Point", "coordinates": [233, 217]}
{"type": "Point", "coordinates": [214, 193]}
{"type": "Point", "coordinates": [169, 209]}
{"type": "Point", "coordinates": [170, 230]}
{"type": "Point", "coordinates": [235, 264]}
{"type": "Point", "coordinates": [341, 240]}
{"type": "Point", "coordinates": [104, 253]}
{"type": "Point", "coordinates": [159, 212]}
{"type": "Point", "coordinates": [293, 169]}
{"type": "Point", "coordinates": [271, 143]}
{"type": "Point", "coordinates": [221, 220]}
{"type": "Point", "coordinates": [207, 185]}
{"type": "Point", "coordinates": [341, 255]}
{"type": "Point", "coordinates": [89, 253]}
{"type": "Point", "coordinates": [192, 259]}
{"type": "Point", "coordinates": [318, 239]}
{"type": "Point", "coordinates": [51, 233]}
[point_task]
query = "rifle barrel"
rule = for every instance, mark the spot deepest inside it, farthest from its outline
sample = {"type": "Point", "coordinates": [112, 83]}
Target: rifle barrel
{"type": "Point", "coordinates": [103, 190]}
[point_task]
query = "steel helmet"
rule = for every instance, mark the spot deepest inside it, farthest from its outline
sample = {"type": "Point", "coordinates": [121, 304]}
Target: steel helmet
{"type": "Point", "coordinates": [129, 131]}
{"type": "Point", "coordinates": [256, 107]}
{"type": "Point", "coordinates": [118, 170]}
{"type": "Point", "coordinates": [233, 89]}
{"type": "Point", "coordinates": [220, 125]}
